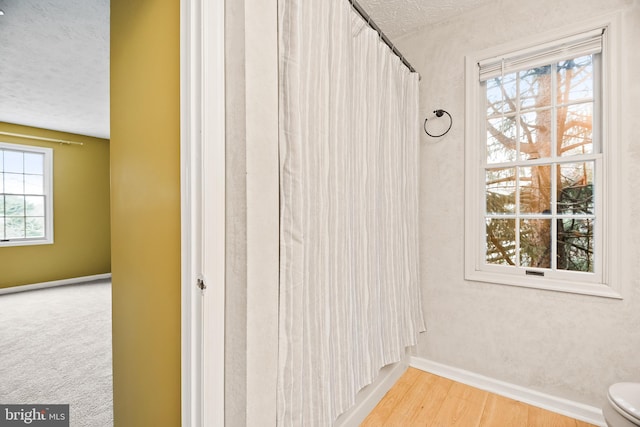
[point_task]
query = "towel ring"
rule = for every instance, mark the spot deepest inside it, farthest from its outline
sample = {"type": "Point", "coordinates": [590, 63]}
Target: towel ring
{"type": "Point", "coordinates": [439, 113]}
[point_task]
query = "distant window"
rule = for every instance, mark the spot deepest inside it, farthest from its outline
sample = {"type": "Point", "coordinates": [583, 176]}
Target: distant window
{"type": "Point", "coordinates": [26, 190]}
{"type": "Point", "coordinates": [537, 148]}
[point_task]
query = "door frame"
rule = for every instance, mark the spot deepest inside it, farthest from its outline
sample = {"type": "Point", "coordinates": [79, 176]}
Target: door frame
{"type": "Point", "coordinates": [202, 174]}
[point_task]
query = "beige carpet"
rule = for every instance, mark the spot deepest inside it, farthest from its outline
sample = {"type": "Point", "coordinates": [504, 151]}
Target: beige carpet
{"type": "Point", "coordinates": [55, 348]}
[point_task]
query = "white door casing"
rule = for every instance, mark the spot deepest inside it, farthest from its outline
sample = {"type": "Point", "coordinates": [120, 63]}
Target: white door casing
{"type": "Point", "coordinates": [202, 151]}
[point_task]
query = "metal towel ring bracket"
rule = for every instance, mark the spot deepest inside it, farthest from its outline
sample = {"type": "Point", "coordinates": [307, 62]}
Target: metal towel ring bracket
{"type": "Point", "coordinates": [439, 113]}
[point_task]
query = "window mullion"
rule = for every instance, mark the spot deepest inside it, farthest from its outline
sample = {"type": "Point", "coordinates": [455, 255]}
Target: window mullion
{"type": "Point", "coordinates": [597, 132]}
{"type": "Point", "coordinates": [518, 157]}
{"type": "Point", "coordinates": [517, 219]}
{"type": "Point", "coordinates": [480, 211]}
{"type": "Point", "coordinates": [554, 168]}
{"type": "Point", "coordinates": [554, 111]}
{"type": "Point", "coordinates": [554, 217]}
{"type": "Point", "coordinates": [4, 207]}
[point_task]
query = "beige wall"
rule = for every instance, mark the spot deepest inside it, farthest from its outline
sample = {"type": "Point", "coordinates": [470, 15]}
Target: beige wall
{"type": "Point", "coordinates": [81, 213]}
{"type": "Point", "coordinates": [571, 346]}
{"type": "Point", "coordinates": [252, 213]}
{"type": "Point", "coordinates": [261, 74]}
{"type": "Point", "coordinates": [235, 383]}
{"type": "Point", "coordinates": [145, 211]}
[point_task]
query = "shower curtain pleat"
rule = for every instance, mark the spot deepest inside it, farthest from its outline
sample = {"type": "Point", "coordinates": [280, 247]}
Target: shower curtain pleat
{"type": "Point", "coordinates": [349, 287]}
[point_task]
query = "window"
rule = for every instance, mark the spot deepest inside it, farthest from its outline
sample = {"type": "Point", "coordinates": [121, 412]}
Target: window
{"type": "Point", "coordinates": [26, 205]}
{"type": "Point", "coordinates": [539, 153]}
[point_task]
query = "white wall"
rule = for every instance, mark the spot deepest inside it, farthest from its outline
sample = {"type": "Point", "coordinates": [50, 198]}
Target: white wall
{"type": "Point", "coordinates": [567, 345]}
{"type": "Point", "coordinates": [252, 240]}
{"type": "Point", "coordinates": [263, 218]}
{"type": "Point", "coordinates": [236, 219]}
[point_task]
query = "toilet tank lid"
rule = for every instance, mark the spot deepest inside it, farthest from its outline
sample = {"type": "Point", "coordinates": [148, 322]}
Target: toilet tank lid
{"type": "Point", "coordinates": [627, 397]}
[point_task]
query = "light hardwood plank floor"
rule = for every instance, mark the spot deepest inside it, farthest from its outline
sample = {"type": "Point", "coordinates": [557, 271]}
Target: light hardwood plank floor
{"type": "Point", "coordinates": [423, 399]}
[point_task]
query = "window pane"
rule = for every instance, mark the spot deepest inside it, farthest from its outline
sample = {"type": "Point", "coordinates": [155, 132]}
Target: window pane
{"type": "Point", "coordinates": [501, 95]}
{"type": "Point", "coordinates": [14, 228]}
{"type": "Point", "coordinates": [501, 191]}
{"type": "Point", "coordinates": [13, 183]}
{"type": "Point", "coordinates": [535, 243]}
{"type": "Point", "coordinates": [575, 244]}
{"type": "Point", "coordinates": [535, 134]}
{"type": "Point", "coordinates": [575, 79]}
{"type": "Point", "coordinates": [540, 131]}
{"type": "Point", "coordinates": [535, 88]}
{"type": "Point", "coordinates": [575, 129]}
{"type": "Point", "coordinates": [34, 206]}
{"type": "Point", "coordinates": [14, 205]}
{"type": "Point", "coordinates": [501, 241]}
{"type": "Point", "coordinates": [34, 163]}
{"type": "Point", "coordinates": [13, 161]}
{"type": "Point", "coordinates": [535, 189]}
{"type": "Point", "coordinates": [33, 184]}
{"type": "Point", "coordinates": [35, 227]}
{"type": "Point", "coordinates": [501, 140]}
{"type": "Point", "coordinates": [24, 202]}
{"type": "Point", "coordinates": [575, 195]}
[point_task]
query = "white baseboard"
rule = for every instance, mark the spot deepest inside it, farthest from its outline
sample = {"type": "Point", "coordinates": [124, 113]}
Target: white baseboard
{"type": "Point", "coordinates": [54, 283]}
{"type": "Point", "coordinates": [579, 411]}
{"type": "Point", "coordinates": [371, 395]}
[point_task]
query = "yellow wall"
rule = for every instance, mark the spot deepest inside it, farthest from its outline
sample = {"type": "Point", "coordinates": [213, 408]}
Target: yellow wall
{"type": "Point", "coordinates": [145, 211]}
{"type": "Point", "coordinates": [81, 213]}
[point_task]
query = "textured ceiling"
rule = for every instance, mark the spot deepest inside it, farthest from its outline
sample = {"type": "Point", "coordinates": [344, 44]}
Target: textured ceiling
{"type": "Point", "coordinates": [399, 17]}
{"type": "Point", "coordinates": [54, 56]}
{"type": "Point", "coordinates": [54, 65]}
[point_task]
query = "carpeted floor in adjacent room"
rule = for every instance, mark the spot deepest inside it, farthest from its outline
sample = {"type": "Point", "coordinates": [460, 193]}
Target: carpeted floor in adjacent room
{"type": "Point", "coordinates": [55, 348]}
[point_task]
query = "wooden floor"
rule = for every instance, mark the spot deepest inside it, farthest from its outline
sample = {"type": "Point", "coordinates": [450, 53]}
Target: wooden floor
{"type": "Point", "coordinates": [423, 399]}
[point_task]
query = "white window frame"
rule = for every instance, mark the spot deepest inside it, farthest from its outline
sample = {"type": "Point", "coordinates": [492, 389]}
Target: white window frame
{"type": "Point", "coordinates": [476, 269]}
{"type": "Point", "coordinates": [48, 195]}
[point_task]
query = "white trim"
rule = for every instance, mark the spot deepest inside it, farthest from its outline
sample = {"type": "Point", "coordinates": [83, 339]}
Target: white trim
{"type": "Point", "coordinates": [608, 285]}
{"type": "Point", "coordinates": [522, 281]}
{"type": "Point", "coordinates": [213, 209]}
{"type": "Point", "coordinates": [369, 397]}
{"type": "Point", "coordinates": [191, 333]}
{"type": "Point", "coordinates": [54, 283]}
{"type": "Point", "coordinates": [611, 130]}
{"type": "Point", "coordinates": [202, 152]}
{"type": "Point", "coordinates": [579, 411]}
{"type": "Point", "coordinates": [584, 43]}
{"type": "Point", "coordinates": [48, 194]}
{"type": "Point", "coordinates": [548, 37]}
{"type": "Point", "coordinates": [262, 210]}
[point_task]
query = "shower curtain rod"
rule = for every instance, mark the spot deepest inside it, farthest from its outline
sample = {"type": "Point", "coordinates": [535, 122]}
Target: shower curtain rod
{"type": "Point", "coordinates": [382, 35]}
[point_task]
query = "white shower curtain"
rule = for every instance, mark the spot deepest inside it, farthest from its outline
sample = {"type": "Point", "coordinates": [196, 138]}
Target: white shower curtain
{"type": "Point", "coordinates": [349, 292]}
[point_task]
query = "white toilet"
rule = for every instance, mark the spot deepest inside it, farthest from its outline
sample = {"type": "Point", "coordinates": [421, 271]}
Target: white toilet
{"type": "Point", "coordinates": [623, 409]}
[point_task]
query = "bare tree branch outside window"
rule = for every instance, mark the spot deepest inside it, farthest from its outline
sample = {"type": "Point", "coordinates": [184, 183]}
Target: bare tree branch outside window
{"type": "Point", "coordinates": [542, 115]}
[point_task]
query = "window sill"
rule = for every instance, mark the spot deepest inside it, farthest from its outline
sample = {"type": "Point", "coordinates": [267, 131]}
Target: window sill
{"type": "Point", "coordinates": [592, 289]}
{"type": "Point", "coordinates": [12, 243]}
